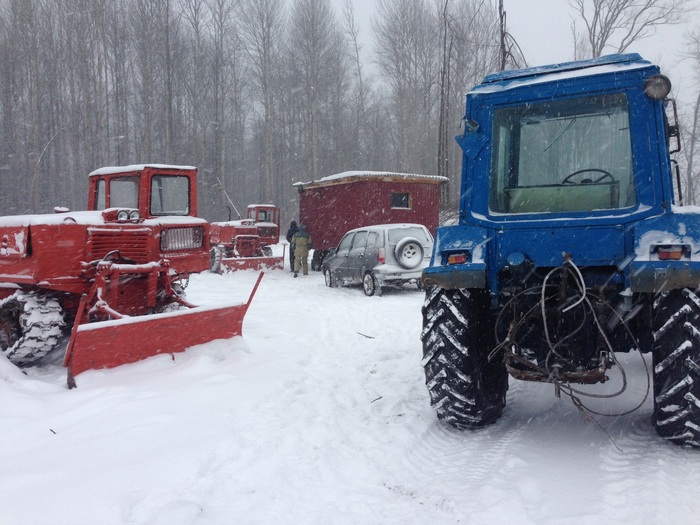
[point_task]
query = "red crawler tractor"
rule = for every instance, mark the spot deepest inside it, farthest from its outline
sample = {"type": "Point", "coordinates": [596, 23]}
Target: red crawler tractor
{"type": "Point", "coordinates": [245, 244]}
{"type": "Point", "coordinates": [110, 280]}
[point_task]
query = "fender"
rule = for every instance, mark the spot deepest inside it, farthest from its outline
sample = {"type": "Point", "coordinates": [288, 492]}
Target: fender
{"type": "Point", "coordinates": [458, 259]}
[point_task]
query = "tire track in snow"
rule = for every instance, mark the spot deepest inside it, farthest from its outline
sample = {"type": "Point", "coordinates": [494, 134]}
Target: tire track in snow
{"type": "Point", "coordinates": [640, 465]}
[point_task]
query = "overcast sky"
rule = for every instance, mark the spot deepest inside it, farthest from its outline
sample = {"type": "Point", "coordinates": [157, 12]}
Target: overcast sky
{"type": "Point", "coordinates": [542, 28]}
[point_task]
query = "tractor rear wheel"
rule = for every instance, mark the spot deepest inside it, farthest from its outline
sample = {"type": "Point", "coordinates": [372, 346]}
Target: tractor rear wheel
{"type": "Point", "coordinates": [676, 355]}
{"type": "Point", "coordinates": [466, 389]}
{"type": "Point", "coordinates": [31, 326]}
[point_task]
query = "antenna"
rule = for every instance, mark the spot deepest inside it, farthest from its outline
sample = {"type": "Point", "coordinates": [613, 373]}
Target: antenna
{"type": "Point", "coordinates": [221, 185]}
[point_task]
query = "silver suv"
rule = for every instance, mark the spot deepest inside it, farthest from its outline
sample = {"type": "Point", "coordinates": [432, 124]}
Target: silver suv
{"type": "Point", "coordinates": [375, 256]}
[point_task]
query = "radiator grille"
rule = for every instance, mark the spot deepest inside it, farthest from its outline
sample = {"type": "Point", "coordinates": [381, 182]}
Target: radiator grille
{"type": "Point", "coordinates": [131, 243]}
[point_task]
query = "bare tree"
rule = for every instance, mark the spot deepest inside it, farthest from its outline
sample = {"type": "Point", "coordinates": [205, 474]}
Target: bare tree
{"type": "Point", "coordinates": [616, 24]}
{"type": "Point", "coordinates": [315, 46]}
{"type": "Point", "coordinates": [262, 29]}
{"type": "Point", "coordinates": [407, 51]}
{"type": "Point", "coordinates": [691, 128]}
{"type": "Point", "coordinates": [361, 89]}
{"type": "Point", "coordinates": [473, 52]}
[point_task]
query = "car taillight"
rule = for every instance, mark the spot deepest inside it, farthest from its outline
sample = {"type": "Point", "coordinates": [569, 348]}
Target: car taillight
{"type": "Point", "coordinates": [381, 255]}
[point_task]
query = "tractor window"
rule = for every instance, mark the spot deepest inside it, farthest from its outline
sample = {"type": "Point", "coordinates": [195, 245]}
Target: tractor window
{"type": "Point", "coordinates": [100, 195]}
{"type": "Point", "coordinates": [124, 192]}
{"type": "Point", "coordinates": [170, 195]}
{"type": "Point", "coordinates": [562, 156]}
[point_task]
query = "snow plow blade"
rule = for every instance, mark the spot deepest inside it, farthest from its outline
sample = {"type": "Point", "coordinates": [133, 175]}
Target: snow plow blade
{"type": "Point", "coordinates": [231, 264]}
{"type": "Point", "coordinates": [108, 344]}
{"type": "Point", "coordinates": [270, 262]}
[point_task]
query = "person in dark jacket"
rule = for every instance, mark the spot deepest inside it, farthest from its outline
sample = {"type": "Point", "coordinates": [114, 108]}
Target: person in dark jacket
{"type": "Point", "coordinates": [302, 244]}
{"type": "Point", "coordinates": [293, 228]}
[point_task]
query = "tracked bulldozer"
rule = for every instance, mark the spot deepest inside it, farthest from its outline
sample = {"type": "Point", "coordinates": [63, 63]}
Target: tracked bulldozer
{"type": "Point", "coordinates": [106, 285]}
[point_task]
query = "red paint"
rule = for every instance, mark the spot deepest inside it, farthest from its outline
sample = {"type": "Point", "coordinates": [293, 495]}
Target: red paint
{"type": "Point", "coordinates": [331, 208]}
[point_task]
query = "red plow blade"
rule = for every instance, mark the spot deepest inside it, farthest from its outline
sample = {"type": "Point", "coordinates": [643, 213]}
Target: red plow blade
{"type": "Point", "coordinates": [108, 344]}
{"type": "Point", "coordinates": [252, 263]}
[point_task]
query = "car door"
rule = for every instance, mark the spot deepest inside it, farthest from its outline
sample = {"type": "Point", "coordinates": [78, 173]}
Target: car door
{"type": "Point", "coordinates": [338, 262]}
{"type": "Point", "coordinates": [355, 261]}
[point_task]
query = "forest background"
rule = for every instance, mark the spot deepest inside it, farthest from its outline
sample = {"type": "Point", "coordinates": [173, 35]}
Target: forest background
{"type": "Point", "coordinates": [259, 94]}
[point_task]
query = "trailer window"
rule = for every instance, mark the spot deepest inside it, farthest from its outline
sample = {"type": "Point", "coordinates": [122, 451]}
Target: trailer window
{"type": "Point", "coordinates": [562, 156]}
{"type": "Point", "coordinates": [124, 192]}
{"type": "Point", "coordinates": [401, 200]}
{"type": "Point", "coordinates": [170, 195]}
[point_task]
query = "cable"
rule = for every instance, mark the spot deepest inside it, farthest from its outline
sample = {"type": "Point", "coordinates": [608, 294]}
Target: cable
{"type": "Point", "coordinates": [549, 370]}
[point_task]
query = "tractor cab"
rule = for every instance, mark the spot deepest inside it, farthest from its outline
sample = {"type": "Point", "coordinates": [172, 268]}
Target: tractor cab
{"type": "Point", "coordinates": [578, 142]}
{"type": "Point", "coordinates": [145, 191]}
{"type": "Point", "coordinates": [267, 219]}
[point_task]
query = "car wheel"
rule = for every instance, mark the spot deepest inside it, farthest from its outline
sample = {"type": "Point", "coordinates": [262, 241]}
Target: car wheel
{"type": "Point", "coordinates": [331, 281]}
{"type": "Point", "coordinates": [409, 253]}
{"type": "Point", "coordinates": [370, 285]}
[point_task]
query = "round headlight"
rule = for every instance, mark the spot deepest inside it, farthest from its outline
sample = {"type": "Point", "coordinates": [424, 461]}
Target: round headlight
{"type": "Point", "coordinates": [122, 215]}
{"type": "Point", "coordinates": [134, 215]}
{"type": "Point", "coordinates": [657, 87]}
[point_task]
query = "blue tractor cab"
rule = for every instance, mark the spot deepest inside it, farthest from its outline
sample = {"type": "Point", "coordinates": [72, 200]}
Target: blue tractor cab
{"type": "Point", "coordinates": [570, 245]}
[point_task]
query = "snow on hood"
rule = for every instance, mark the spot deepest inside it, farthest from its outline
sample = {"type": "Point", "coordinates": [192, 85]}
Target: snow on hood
{"type": "Point", "coordinates": [88, 218]}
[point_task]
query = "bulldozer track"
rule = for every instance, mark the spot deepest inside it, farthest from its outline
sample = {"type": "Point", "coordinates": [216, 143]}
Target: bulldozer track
{"type": "Point", "coordinates": [32, 324]}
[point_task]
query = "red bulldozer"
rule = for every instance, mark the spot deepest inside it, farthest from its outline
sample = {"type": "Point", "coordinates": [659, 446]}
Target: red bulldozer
{"type": "Point", "coordinates": [245, 244]}
{"type": "Point", "coordinates": [107, 284]}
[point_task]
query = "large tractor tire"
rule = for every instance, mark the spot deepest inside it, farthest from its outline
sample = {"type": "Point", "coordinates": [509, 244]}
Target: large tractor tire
{"type": "Point", "coordinates": [466, 390]}
{"type": "Point", "coordinates": [676, 355]}
{"type": "Point", "coordinates": [31, 326]}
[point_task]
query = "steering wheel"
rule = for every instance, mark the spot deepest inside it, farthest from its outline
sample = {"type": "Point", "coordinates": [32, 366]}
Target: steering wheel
{"type": "Point", "coordinates": [606, 175]}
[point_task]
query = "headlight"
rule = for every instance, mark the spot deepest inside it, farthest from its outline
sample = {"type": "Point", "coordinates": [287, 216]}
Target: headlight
{"type": "Point", "coordinates": [122, 215]}
{"type": "Point", "coordinates": [134, 215]}
{"type": "Point", "coordinates": [657, 87]}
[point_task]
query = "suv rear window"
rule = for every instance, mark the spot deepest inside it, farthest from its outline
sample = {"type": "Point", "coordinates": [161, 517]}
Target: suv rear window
{"type": "Point", "coordinates": [396, 234]}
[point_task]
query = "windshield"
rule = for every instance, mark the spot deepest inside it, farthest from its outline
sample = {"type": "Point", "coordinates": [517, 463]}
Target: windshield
{"type": "Point", "coordinates": [123, 193]}
{"type": "Point", "coordinates": [559, 156]}
{"type": "Point", "coordinates": [170, 195]}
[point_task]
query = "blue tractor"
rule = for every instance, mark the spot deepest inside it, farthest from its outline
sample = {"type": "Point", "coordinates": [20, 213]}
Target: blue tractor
{"type": "Point", "coordinates": [571, 245]}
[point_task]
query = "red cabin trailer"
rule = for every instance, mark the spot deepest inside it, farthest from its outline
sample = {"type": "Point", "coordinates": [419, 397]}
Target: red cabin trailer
{"type": "Point", "coordinates": [331, 206]}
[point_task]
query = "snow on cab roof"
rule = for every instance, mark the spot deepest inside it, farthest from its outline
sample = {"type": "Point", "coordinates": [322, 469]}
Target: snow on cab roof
{"type": "Point", "coordinates": [110, 170]}
{"type": "Point", "coordinates": [350, 176]}
{"type": "Point", "coordinates": [557, 72]}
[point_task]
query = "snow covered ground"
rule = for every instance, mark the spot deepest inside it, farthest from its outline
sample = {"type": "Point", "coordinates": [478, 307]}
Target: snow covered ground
{"type": "Point", "coordinates": [319, 415]}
